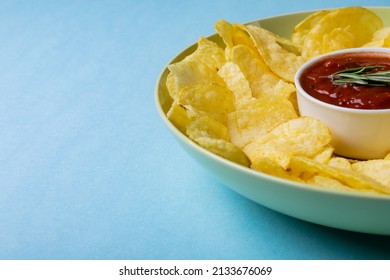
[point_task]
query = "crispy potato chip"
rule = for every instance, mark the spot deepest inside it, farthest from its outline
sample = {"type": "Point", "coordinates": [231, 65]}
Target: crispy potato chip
{"type": "Point", "coordinates": [340, 162]}
{"type": "Point", "coordinates": [224, 149]}
{"type": "Point", "coordinates": [329, 183]}
{"type": "Point", "coordinates": [378, 169]}
{"type": "Point", "coordinates": [303, 136]}
{"type": "Point", "coordinates": [209, 54]}
{"type": "Point", "coordinates": [256, 117]}
{"type": "Point", "coordinates": [333, 184]}
{"type": "Point", "coordinates": [235, 81]}
{"type": "Point", "coordinates": [360, 22]}
{"type": "Point", "coordinates": [337, 39]}
{"type": "Point", "coordinates": [381, 34]}
{"type": "Point", "coordinates": [177, 115]}
{"type": "Point", "coordinates": [171, 86]}
{"type": "Point", "coordinates": [324, 155]}
{"type": "Point", "coordinates": [281, 61]}
{"type": "Point", "coordinates": [214, 100]}
{"type": "Point", "coordinates": [283, 42]}
{"type": "Point", "coordinates": [270, 167]}
{"type": "Point", "coordinates": [261, 79]}
{"type": "Point", "coordinates": [232, 36]}
{"type": "Point", "coordinates": [350, 178]}
{"type": "Point", "coordinates": [387, 157]}
{"type": "Point", "coordinates": [381, 38]}
{"type": "Point", "coordinates": [303, 28]}
{"type": "Point", "coordinates": [384, 43]}
{"type": "Point", "coordinates": [189, 72]}
{"type": "Point", "coordinates": [206, 126]}
{"type": "Point", "coordinates": [182, 115]}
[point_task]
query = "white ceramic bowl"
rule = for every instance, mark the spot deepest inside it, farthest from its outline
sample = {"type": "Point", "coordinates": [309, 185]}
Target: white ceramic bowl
{"type": "Point", "coordinates": [356, 133]}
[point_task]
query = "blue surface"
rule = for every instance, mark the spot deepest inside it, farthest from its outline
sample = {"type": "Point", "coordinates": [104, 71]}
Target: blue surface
{"type": "Point", "coordinates": [89, 171]}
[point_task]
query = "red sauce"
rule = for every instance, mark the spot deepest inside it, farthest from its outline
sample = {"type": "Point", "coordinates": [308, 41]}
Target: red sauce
{"type": "Point", "coordinates": [316, 83]}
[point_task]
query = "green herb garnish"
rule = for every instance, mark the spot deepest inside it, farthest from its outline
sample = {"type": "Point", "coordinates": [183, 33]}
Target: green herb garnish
{"type": "Point", "coordinates": [360, 76]}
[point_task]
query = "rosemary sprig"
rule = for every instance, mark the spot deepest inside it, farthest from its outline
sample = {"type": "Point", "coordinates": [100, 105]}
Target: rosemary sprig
{"type": "Point", "coordinates": [360, 76]}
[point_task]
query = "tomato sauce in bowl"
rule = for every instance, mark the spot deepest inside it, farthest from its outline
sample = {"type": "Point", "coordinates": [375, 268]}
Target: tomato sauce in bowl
{"type": "Point", "coordinates": [317, 81]}
{"type": "Point", "coordinates": [358, 116]}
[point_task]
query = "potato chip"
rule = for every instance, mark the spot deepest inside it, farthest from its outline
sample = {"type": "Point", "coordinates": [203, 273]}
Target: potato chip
{"type": "Point", "coordinates": [337, 39]}
{"type": "Point", "coordinates": [256, 117]}
{"type": "Point", "coordinates": [281, 61]}
{"type": "Point", "coordinates": [214, 100]}
{"type": "Point", "coordinates": [381, 34]}
{"type": "Point", "coordinates": [206, 126]}
{"type": "Point", "coordinates": [224, 149]}
{"type": "Point", "coordinates": [232, 36]}
{"type": "Point", "coordinates": [303, 136]}
{"type": "Point", "coordinates": [381, 38]}
{"type": "Point", "coordinates": [324, 155]}
{"type": "Point", "coordinates": [350, 178]}
{"type": "Point", "coordinates": [261, 80]}
{"type": "Point", "coordinates": [171, 86]}
{"type": "Point", "coordinates": [378, 169]}
{"type": "Point", "coordinates": [209, 54]}
{"type": "Point", "coordinates": [303, 28]}
{"type": "Point", "coordinates": [270, 167]}
{"type": "Point", "coordinates": [328, 183]}
{"type": "Point", "coordinates": [360, 22]}
{"type": "Point", "coordinates": [177, 115]}
{"type": "Point", "coordinates": [340, 163]}
{"type": "Point", "coordinates": [189, 72]}
{"type": "Point", "coordinates": [384, 43]}
{"type": "Point", "coordinates": [236, 82]}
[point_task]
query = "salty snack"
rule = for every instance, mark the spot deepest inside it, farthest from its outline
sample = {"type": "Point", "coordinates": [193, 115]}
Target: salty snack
{"type": "Point", "coordinates": [239, 100]}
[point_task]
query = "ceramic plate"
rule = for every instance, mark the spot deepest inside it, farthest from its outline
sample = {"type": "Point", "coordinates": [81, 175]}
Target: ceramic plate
{"type": "Point", "coordinates": [354, 211]}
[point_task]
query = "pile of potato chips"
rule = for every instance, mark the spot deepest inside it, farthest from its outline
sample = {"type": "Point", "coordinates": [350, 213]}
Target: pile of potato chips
{"type": "Point", "coordinates": [238, 101]}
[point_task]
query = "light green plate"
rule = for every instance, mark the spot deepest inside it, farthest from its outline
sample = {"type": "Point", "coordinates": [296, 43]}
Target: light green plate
{"type": "Point", "coordinates": [354, 211]}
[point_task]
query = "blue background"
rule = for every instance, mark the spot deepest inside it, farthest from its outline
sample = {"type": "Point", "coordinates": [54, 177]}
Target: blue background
{"type": "Point", "coordinates": [87, 168]}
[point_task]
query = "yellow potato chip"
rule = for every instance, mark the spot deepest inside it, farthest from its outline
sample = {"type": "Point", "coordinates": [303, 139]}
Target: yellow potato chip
{"type": "Point", "coordinates": [340, 162]}
{"type": "Point", "coordinates": [329, 183]}
{"type": "Point", "coordinates": [209, 54]}
{"type": "Point", "coordinates": [235, 81]}
{"type": "Point", "coordinates": [337, 39]}
{"type": "Point", "coordinates": [383, 43]}
{"type": "Point", "coordinates": [233, 36]}
{"type": "Point", "coordinates": [177, 115]}
{"type": "Point", "coordinates": [381, 34]}
{"type": "Point", "coordinates": [360, 22]}
{"type": "Point", "coordinates": [302, 136]}
{"type": "Point", "coordinates": [302, 29]}
{"type": "Point", "coordinates": [224, 149]}
{"type": "Point", "coordinates": [282, 62]}
{"type": "Point", "coordinates": [190, 72]}
{"type": "Point", "coordinates": [261, 79]}
{"type": "Point", "coordinates": [270, 167]}
{"type": "Point", "coordinates": [213, 99]}
{"type": "Point", "coordinates": [381, 38]}
{"type": "Point", "coordinates": [299, 164]}
{"type": "Point", "coordinates": [171, 86]}
{"type": "Point", "coordinates": [206, 126]}
{"type": "Point", "coordinates": [324, 155]}
{"type": "Point", "coordinates": [378, 169]}
{"type": "Point", "coordinates": [256, 117]}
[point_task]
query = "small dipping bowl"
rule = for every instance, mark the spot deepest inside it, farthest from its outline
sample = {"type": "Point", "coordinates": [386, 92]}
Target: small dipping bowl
{"type": "Point", "coordinates": [356, 133]}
